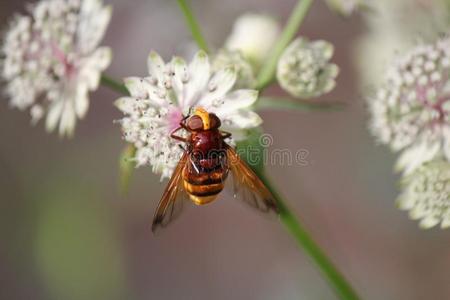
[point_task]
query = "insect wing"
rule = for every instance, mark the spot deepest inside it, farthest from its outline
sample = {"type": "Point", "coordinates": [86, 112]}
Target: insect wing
{"type": "Point", "coordinates": [173, 197]}
{"type": "Point", "coordinates": [248, 185]}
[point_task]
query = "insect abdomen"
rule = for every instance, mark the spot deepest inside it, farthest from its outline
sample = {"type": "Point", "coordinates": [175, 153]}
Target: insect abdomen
{"type": "Point", "coordinates": [203, 188]}
{"type": "Point", "coordinates": [203, 194]}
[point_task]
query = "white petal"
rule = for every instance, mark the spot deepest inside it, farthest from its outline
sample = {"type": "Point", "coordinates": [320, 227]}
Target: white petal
{"type": "Point", "coordinates": [125, 104]}
{"type": "Point", "coordinates": [242, 120]}
{"type": "Point", "coordinates": [219, 85]}
{"type": "Point", "coordinates": [94, 20]}
{"type": "Point", "coordinates": [156, 66]}
{"type": "Point", "coordinates": [237, 100]}
{"type": "Point", "coordinates": [68, 119]}
{"type": "Point", "coordinates": [447, 143]}
{"type": "Point", "coordinates": [93, 66]}
{"type": "Point", "coordinates": [53, 115]}
{"type": "Point", "coordinates": [416, 155]}
{"type": "Point", "coordinates": [81, 101]}
{"type": "Point", "coordinates": [198, 76]}
{"type": "Point", "coordinates": [137, 87]}
{"type": "Point", "coordinates": [405, 202]}
{"type": "Point", "coordinates": [428, 222]}
{"type": "Point", "coordinates": [179, 78]}
{"type": "Point", "coordinates": [445, 223]}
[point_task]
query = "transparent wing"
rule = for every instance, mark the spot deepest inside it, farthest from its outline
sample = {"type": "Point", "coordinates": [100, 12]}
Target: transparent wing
{"type": "Point", "coordinates": [247, 185]}
{"type": "Point", "coordinates": [173, 197]}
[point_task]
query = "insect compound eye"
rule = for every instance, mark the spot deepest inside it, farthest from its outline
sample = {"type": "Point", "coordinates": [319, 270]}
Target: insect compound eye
{"type": "Point", "coordinates": [195, 123]}
{"type": "Point", "coordinates": [214, 121]}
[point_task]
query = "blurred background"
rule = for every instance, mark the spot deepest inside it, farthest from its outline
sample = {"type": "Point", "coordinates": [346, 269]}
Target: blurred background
{"type": "Point", "coordinates": [68, 233]}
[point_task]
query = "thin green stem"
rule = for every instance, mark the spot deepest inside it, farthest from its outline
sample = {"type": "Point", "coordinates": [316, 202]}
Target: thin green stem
{"type": "Point", "coordinates": [342, 287]}
{"type": "Point", "coordinates": [113, 84]}
{"type": "Point", "coordinates": [267, 72]}
{"type": "Point", "coordinates": [193, 25]}
{"type": "Point", "coordinates": [287, 104]}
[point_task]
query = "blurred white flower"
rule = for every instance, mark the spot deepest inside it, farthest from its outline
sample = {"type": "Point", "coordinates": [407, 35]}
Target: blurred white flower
{"type": "Point", "coordinates": [304, 69]}
{"type": "Point", "coordinates": [411, 111]}
{"type": "Point", "coordinates": [346, 7]}
{"type": "Point", "coordinates": [426, 194]}
{"type": "Point", "coordinates": [254, 35]}
{"type": "Point", "coordinates": [157, 104]}
{"type": "Point", "coordinates": [393, 27]}
{"type": "Point", "coordinates": [51, 60]}
{"type": "Point", "coordinates": [245, 75]}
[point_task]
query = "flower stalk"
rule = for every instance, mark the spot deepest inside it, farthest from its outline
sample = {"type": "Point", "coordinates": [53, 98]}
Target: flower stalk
{"type": "Point", "coordinates": [342, 287]}
{"type": "Point", "coordinates": [267, 72]}
{"type": "Point", "coordinates": [113, 85]}
{"type": "Point", "coordinates": [193, 25]}
{"type": "Point", "coordinates": [335, 278]}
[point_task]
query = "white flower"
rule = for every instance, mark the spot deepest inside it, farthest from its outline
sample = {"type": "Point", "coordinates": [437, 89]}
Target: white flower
{"type": "Point", "coordinates": [51, 60]}
{"type": "Point", "coordinates": [157, 104]}
{"type": "Point", "coordinates": [304, 69]}
{"type": "Point", "coordinates": [245, 75]}
{"type": "Point", "coordinates": [346, 7]}
{"type": "Point", "coordinates": [254, 35]}
{"type": "Point", "coordinates": [411, 111]}
{"type": "Point", "coordinates": [393, 27]}
{"type": "Point", "coordinates": [426, 194]}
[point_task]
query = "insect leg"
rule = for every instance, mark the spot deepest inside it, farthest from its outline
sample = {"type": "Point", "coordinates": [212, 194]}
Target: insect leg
{"type": "Point", "coordinates": [178, 138]}
{"type": "Point", "coordinates": [225, 134]}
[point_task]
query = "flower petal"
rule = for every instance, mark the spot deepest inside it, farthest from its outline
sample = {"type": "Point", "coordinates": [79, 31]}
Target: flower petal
{"type": "Point", "coordinates": [237, 100]}
{"type": "Point", "coordinates": [94, 20]}
{"type": "Point", "coordinates": [92, 66]}
{"type": "Point", "coordinates": [428, 222]}
{"type": "Point", "coordinates": [53, 115]}
{"type": "Point", "coordinates": [199, 72]}
{"type": "Point", "coordinates": [81, 101]}
{"type": "Point", "coordinates": [125, 104]}
{"type": "Point", "coordinates": [220, 83]}
{"type": "Point", "coordinates": [241, 120]}
{"type": "Point", "coordinates": [416, 155]}
{"type": "Point", "coordinates": [68, 120]}
{"type": "Point", "coordinates": [156, 67]}
{"type": "Point", "coordinates": [179, 79]}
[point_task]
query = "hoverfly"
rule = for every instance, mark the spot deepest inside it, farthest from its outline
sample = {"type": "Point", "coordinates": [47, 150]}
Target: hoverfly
{"type": "Point", "coordinates": [203, 168]}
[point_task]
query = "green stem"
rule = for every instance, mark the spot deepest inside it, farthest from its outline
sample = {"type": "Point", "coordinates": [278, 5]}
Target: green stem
{"type": "Point", "coordinates": [343, 288]}
{"type": "Point", "coordinates": [193, 25]}
{"type": "Point", "coordinates": [287, 104]}
{"type": "Point", "coordinates": [113, 84]}
{"type": "Point", "coordinates": [267, 72]}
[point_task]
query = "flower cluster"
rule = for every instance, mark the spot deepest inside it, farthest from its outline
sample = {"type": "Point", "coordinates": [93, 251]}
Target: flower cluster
{"type": "Point", "coordinates": [157, 104]}
{"type": "Point", "coordinates": [51, 60]}
{"type": "Point", "coordinates": [427, 194]}
{"type": "Point", "coordinates": [304, 69]}
{"type": "Point", "coordinates": [411, 112]}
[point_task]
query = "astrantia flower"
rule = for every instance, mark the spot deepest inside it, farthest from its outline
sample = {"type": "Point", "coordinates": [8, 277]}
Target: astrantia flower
{"type": "Point", "coordinates": [412, 109]}
{"type": "Point", "coordinates": [254, 35]}
{"type": "Point", "coordinates": [245, 75]}
{"type": "Point", "coordinates": [427, 194]}
{"type": "Point", "coordinates": [157, 104]}
{"type": "Point", "coordinates": [346, 7]}
{"type": "Point", "coordinates": [304, 69]}
{"type": "Point", "coordinates": [51, 60]}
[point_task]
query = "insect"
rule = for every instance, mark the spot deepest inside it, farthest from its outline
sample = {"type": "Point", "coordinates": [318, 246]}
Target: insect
{"type": "Point", "coordinates": [203, 168]}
